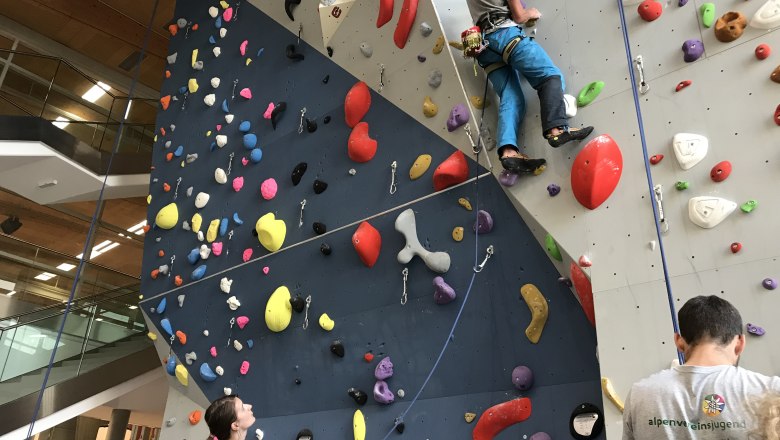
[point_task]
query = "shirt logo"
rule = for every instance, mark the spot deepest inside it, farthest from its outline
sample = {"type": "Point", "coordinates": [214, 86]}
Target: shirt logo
{"type": "Point", "coordinates": [713, 405]}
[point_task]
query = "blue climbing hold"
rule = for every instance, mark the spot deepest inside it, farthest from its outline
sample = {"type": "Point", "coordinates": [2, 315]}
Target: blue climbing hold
{"type": "Point", "coordinates": [206, 373]}
{"type": "Point", "coordinates": [161, 307]}
{"type": "Point", "coordinates": [212, 40]}
{"type": "Point", "coordinates": [170, 367]}
{"type": "Point", "coordinates": [256, 155]}
{"type": "Point", "coordinates": [179, 151]}
{"type": "Point", "coordinates": [194, 256]}
{"type": "Point", "coordinates": [223, 226]}
{"type": "Point", "coordinates": [199, 272]}
{"type": "Point", "coordinates": [213, 146]}
{"type": "Point", "coordinates": [244, 126]}
{"type": "Point", "coordinates": [218, 22]}
{"type": "Point", "coordinates": [225, 106]}
{"type": "Point", "coordinates": [237, 220]}
{"type": "Point", "coordinates": [166, 325]}
{"type": "Point", "coordinates": [183, 89]}
{"type": "Point", "coordinates": [260, 52]}
{"type": "Point", "coordinates": [250, 141]}
{"type": "Point", "coordinates": [250, 343]}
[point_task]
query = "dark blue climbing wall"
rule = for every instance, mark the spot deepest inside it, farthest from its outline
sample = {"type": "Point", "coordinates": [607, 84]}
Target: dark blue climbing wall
{"type": "Point", "coordinates": [475, 371]}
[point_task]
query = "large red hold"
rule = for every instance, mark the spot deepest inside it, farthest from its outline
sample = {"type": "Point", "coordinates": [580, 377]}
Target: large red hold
{"type": "Point", "coordinates": [499, 417]}
{"type": "Point", "coordinates": [584, 291]}
{"type": "Point", "coordinates": [360, 147]}
{"type": "Point", "coordinates": [650, 10]}
{"type": "Point", "coordinates": [596, 171]}
{"type": "Point", "coordinates": [356, 103]}
{"type": "Point", "coordinates": [454, 170]}
{"type": "Point", "coordinates": [405, 22]}
{"type": "Point", "coordinates": [385, 12]}
{"type": "Point", "coordinates": [367, 243]}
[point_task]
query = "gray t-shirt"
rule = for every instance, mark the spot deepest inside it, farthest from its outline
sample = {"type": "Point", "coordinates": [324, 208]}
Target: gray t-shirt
{"type": "Point", "coordinates": [480, 8]}
{"type": "Point", "coordinates": [690, 402]}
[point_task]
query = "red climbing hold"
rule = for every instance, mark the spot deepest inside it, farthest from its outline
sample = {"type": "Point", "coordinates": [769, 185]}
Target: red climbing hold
{"type": "Point", "coordinates": [762, 51]}
{"type": "Point", "coordinates": [683, 84]}
{"type": "Point", "coordinates": [656, 159]}
{"type": "Point", "coordinates": [368, 357]}
{"type": "Point", "coordinates": [367, 242]}
{"type": "Point", "coordinates": [385, 13]}
{"type": "Point", "coordinates": [165, 101]}
{"type": "Point", "coordinates": [777, 115]}
{"type": "Point", "coordinates": [736, 247]}
{"type": "Point", "coordinates": [720, 171]}
{"type": "Point", "coordinates": [356, 103]}
{"type": "Point", "coordinates": [499, 417]}
{"type": "Point", "coordinates": [584, 291]}
{"type": "Point", "coordinates": [650, 10]}
{"type": "Point", "coordinates": [596, 171]}
{"type": "Point", "coordinates": [360, 147]}
{"type": "Point", "coordinates": [405, 22]}
{"type": "Point", "coordinates": [454, 170]}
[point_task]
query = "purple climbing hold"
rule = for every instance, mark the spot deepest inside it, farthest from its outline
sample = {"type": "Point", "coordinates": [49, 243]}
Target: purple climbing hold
{"type": "Point", "coordinates": [458, 116]}
{"type": "Point", "coordinates": [553, 189]}
{"type": "Point", "coordinates": [769, 283]}
{"type": "Point", "coordinates": [508, 179]}
{"type": "Point", "coordinates": [382, 393]}
{"type": "Point", "coordinates": [682, 3]}
{"type": "Point", "coordinates": [421, 58]}
{"type": "Point", "coordinates": [484, 223]}
{"type": "Point", "coordinates": [522, 378]}
{"type": "Point", "coordinates": [540, 436]}
{"type": "Point", "coordinates": [755, 330]}
{"type": "Point", "coordinates": [692, 50]}
{"type": "Point", "coordinates": [442, 292]}
{"type": "Point", "coordinates": [384, 369]}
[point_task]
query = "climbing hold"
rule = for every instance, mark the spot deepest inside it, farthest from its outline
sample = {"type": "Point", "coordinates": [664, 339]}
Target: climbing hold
{"type": "Point", "coordinates": [326, 323]}
{"type": "Point", "coordinates": [220, 176]}
{"type": "Point", "coordinates": [735, 247]}
{"type": "Point", "coordinates": [305, 434]}
{"type": "Point", "coordinates": [244, 369]}
{"type": "Point", "coordinates": [211, 233]}
{"type": "Point", "coordinates": [276, 113]}
{"type": "Point", "coordinates": [681, 185]}
{"type": "Point", "coordinates": [244, 126]}
{"type": "Point", "coordinates": [465, 203]}
{"type": "Point", "coordinates": [405, 21]}
{"type": "Point", "coordinates": [385, 13]}
{"type": "Point", "coordinates": [256, 155]}
{"type": "Point", "coordinates": [360, 147]}
{"type": "Point", "coordinates": [748, 206]}
{"type": "Point", "coordinates": [167, 217]}
{"type": "Point", "coordinates": [366, 49]}
{"type": "Point", "coordinates": [209, 99]}
{"type": "Point", "coordinates": [198, 272]}
{"type": "Point", "coordinates": [589, 93]}
{"type": "Point", "coordinates": [656, 159]}
{"type": "Point", "coordinates": [221, 140]}
{"type": "Point", "coordinates": [152, 336]}
{"type": "Point", "coordinates": [692, 50]}
{"type": "Point", "coordinates": [170, 365]}
{"type": "Point", "coordinates": [242, 321]}
{"type": "Point", "coordinates": [459, 115]}
{"type": "Point", "coordinates": [233, 303]}
{"type": "Point", "coordinates": [190, 357]}
{"type": "Point", "coordinates": [384, 369]}
{"type": "Point", "coordinates": [612, 395]}
{"type": "Point", "coordinates": [161, 306]}
{"type": "Point", "coordinates": [443, 293]}
{"type": "Point", "coordinates": [650, 10]}
{"type": "Point", "coordinates": [777, 115]}
{"type": "Point", "coordinates": [268, 188]}
{"type": "Point", "coordinates": [507, 178]}
{"type": "Point", "coordinates": [217, 51]}
{"type": "Point", "coordinates": [552, 247]}
{"type": "Point", "coordinates": [769, 283]}
{"type": "Point", "coordinates": [596, 171]}
{"type": "Point", "coordinates": [250, 141]}
{"type": "Point", "coordinates": [775, 75]}
{"type": "Point", "coordinates": [368, 357]}
{"type": "Point", "coordinates": [586, 422]}
{"type": "Point", "coordinates": [194, 417]}
{"type": "Point", "coordinates": [192, 85]}
{"type": "Point", "coordinates": [522, 378]}
{"type": "Point", "coordinates": [245, 93]}
{"type": "Point", "coordinates": [337, 348]}
{"type": "Point", "coordinates": [584, 261]}
{"type": "Point", "coordinates": [311, 125]}
{"type": "Point", "coordinates": [730, 26]}
{"type": "Point", "coordinates": [177, 280]}
{"type": "Point", "coordinates": [537, 304]}
{"type": "Point", "coordinates": [213, 12]}
{"type": "Point", "coordinates": [720, 171]}
{"type": "Point", "coordinates": [499, 417]}
{"type": "Point", "coordinates": [206, 373]}
{"type": "Point", "coordinates": [319, 186]}
{"type": "Point", "coordinates": [297, 303]}
{"type": "Point", "coordinates": [271, 231]}
{"type": "Point", "coordinates": [420, 166]}
{"type": "Point", "coordinates": [400, 426]}
{"type": "Point", "coordinates": [356, 103]}
{"type": "Point", "coordinates": [297, 173]}
{"type": "Point", "coordinates": [360, 396]}
{"type": "Point", "coordinates": [224, 284]}
{"type": "Point", "coordinates": [683, 84]}
{"type": "Point", "coordinates": [382, 393]}
{"type": "Point", "coordinates": [429, 108]}
{"type": "Point", "coordinates": [319, 228]}
{"type": "Point", "coordinates": [553, 189]}
{"type": "Point", "coordinates": [421, 58]}
{"type": "Point", "coordinates": [182, 375]}
{"type": "Point", "coordinates": [469, 417]}
{"type": "Point", "coordinates": [755, 330]}
{"type": "Point", "coordinates": [434, 78]}
{"type": "Point", "coordinates": [478, 103]}
{"type": "Point", "coordinates": [689, 149]}
{"type": "Point", "coordinates": [439, 45]}
{"type": "Point", "coordinates": [425, 29]}
{"type": "Point", "coordinates": [165, 101]}
{"type": "Point", "coordinates": [763, 51]}
{"type": "Point", "coordinates": [767, 16]}
{"type": "Point", "coordinates": [291, 53]}
{"type": "Point", "coordinates": [325, 249]}
{"type": "Point", "coordinates": [484, 222]}
{"type": "Point", "coordinates": [215, 82]}
{"type": "Point", "coordinates": [707, 14]}
{"type": "Point", "coordinates": [358, 425]}
{"type": "Point", "coordinates": [367, 242]}
{"type": "Point", "coordinates": [454, 170]}
{"type": "Point", "coordinates": [406, 224]}
{"type": "Point", "coordinates": [707, 211]}
{"type": "Point", "coordinates": [457, 233]}
{"type": "Point", "coordinates": [216, 248]}
{"type": "Point", "coordinates": [242, 46]}
{"type": "Point", "coordinates": [166, 325]}
{"type": "Point", "coordinates": [584, 291]}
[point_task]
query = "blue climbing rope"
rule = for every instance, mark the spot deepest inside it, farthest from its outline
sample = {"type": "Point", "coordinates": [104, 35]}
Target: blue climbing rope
{"type": "Point", "coordinates": [651, 186]}
{"type": "Point", "coordinates": [92, 225]}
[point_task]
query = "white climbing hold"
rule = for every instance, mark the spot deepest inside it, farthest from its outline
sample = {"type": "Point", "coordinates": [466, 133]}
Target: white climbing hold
{"type": "Point", "coordinates": [689, 149]}
{"type": "Point", "coordinates": [189, 191]}
{"type": "Point", "coordinates": [425, 29]}
{"type": "Point", "coordinates": [213, 12]}
{"type": "Point", "coordinates": [220, 176]}
{"type": "Point", "coordinates": [201, 237]}
{"type": "Point", "coordinates": [652, 245]}
{"type": "Point", "coordinates": [227, 391]}
{"type": "Point", "coordinates": [201, 199]}
{"type": "Point", "coordinates": [222, 33]}
{"type": "Point", "coordinates": [366, 49]}
{"type": "Point", "coordinates": [585, 261]}
{"type": "Point", "coordinates": [707, 211]}
{"type": "Point", "coordinates": [215, 82]}
{"type": "Point", "coordinates": [571, 105]}
{"type": "Point", "coordinates": [229, 118]}
{"type": "Point", "coordinates": [219, 370]}
{"type": "Point", "coordinates": [217, 51]}
{"type": "Point", "coordinates": [172, 57]}
{"type": "Point", "coordinates": [205, 332]}
{"type": "Point", "coordinates": [237, 345]}
{"type": "Point", "coordinates": [185, 225]}
{"type": "Point", "coordinates": [190, 357]}
{"type": "Point", "coordinates": [209, 99]}
{"type": "Point", "coordinates": [170, 422]}
{"type": "Point", "coordinates": [224, 284]}
{"type": "Point", "coordinates": [233, 303]}
{"type": "Point", "coordinates": [221, 140]}
{"type": "Point", "coordinates": [767, 16]}
{"type": "Point", "coordinates": [434, 78]}
{"type": "Point", "coordinates": [259, 434]}
{"type": "Point", "coordinates": [205, 251]}
{"type": "Point", "coordinates": [181, 300]}
{"type": "Point", "coordinates": [401, 393]}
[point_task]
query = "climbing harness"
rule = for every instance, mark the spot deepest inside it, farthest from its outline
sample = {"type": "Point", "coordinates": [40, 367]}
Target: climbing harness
{"type": "Point", "coordinates": [393, 183]}
{"type": "Point", "coordinates": [405, 273]}
{"type": "Point", "coordinates": [644, 87]}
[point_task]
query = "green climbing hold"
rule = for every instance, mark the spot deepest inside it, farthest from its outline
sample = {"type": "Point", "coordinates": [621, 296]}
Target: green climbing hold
{"type": "Point", "coordinates": [552, 247]}
{"type": "Point", "coordinates": [707, 11]}
{"type": "Point", "coordinates": [589, 93]}
{"type": "Point", "coordinates": [681, 185]}
{"type": "Point", "coordinates": [748, 206]}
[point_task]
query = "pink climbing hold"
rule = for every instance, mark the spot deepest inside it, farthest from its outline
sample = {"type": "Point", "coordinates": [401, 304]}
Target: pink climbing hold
{"type": "Point", "coordinates": [242, 48]}
{"type": "Point", "coordinates": [266, 269]}
{"type": "Point", "coordinates": [596, 171]}
{"type": "Point", "coordinates": [213, 351]}
{"type": "Point", "coordinates": [242, 321]}
{"type": "Point", "coordinates": [268, 188]}
{"type": "Point", "coordinates": [584, 291]}
{"type": "Point", "coordinates": [227, 15]}
{"type": "Point", "coordinates": [244, 161]}
{"type": "Point", "coordinates": [244, 368]}
{"type": "Point", "coordinates": [219, 127]}
{"type": "Point", "coordinates": [245, 93]}
{"type": "Point", "coordinates": [585, 261]}
{"type": "Point", "coordinates": [247, 254]}
{"type": "Point", "coordinates": [216, 248]}
{"type": "Point", "coordinates": [762, 51]}
{"type": "Point", "coordinates": [238, 183]}
{"type": "Point", "coordinates": [269, 110]}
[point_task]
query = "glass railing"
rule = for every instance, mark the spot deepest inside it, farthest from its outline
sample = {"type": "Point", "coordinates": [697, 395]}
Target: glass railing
{"type": "Point", "coordinates": [54, 90]}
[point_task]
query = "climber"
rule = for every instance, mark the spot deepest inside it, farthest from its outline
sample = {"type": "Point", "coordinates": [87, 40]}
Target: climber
{"type": "Point", "coordinates": [509, 53]}
{"type": "Point", "coordinates": [228, 418]}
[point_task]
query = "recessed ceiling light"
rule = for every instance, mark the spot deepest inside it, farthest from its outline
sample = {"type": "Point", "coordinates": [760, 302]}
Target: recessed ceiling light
{"type": "Point", "coordinates": [45, 276]}
{"type": "Point", "coordinates": [66, 266]}
{"type": "Point", "coordinates": [61, 122]}
{"type": "Point", "coordinates": [132, 307]}
{"type": "Point", "coordinates": [96, 91]}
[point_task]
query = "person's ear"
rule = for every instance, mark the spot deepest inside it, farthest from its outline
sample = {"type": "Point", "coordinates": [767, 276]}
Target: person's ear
{"type": "Point", "coordinates": [680, 343]}
{"type": "Point", "coordinates": [739, 347]}
{"type": "Point", "coordinates": [234, 426]}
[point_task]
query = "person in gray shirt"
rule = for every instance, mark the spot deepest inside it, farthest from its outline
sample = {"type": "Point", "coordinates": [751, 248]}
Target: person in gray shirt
{"type": "Point", "coordinates": [708, 397]}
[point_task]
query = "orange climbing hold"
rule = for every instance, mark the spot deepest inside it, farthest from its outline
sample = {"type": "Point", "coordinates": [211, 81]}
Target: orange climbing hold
{"type": "Point", "coordinates": [499, 417]}
{"type": "Point", "coordinates": [385, 13]}
{"type": "Point", "coordinates": [166, 187]}
{"type": "Point", "coordinates": [405, 22]}
{"type": "Point", "coordinates": [146, 228]}
{"type": "Point", "coordinates": [167, 73]}
{"type": "Point", "coordinates": [356, 103]}
{"type": "Point", "coordinates": [165, 101]}
{"type": "Point", "coordinates": [161, 253]}
{"type": "Point", "coordinates": [173, 29]}
{"type": "Point", "coordinates": [155, 273]}
{"type": "Point", "coordinates": [169, 157]}
{"type": "Point", "coordinates": [367, 243]}
{"type": "Point", "coordinates": [454, 170]}
{"type": "Point", "coordinates": [596, 171]}
{"type": "Point", "coordinates": [360, 147]}
{"type": "Point", "coordinates": [194, 417]}
{"type": "Point", "coordinates": [181, 336]}
{"type": "Point", "coordinates": [178, 281]}
{"type": "Point", "coordinates": [584, 291]}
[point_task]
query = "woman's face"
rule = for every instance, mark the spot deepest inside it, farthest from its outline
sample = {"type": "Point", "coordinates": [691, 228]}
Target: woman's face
{"type": "Point", "coordinates": [244, 416]}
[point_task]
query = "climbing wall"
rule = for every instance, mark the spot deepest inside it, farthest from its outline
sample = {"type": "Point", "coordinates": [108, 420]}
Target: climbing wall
{"type": "Point", "coordinates": [214, 311]}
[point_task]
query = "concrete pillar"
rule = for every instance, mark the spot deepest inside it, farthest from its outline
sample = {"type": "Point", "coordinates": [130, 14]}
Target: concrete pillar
{"type": "Point", "coordinates": [118, 424]}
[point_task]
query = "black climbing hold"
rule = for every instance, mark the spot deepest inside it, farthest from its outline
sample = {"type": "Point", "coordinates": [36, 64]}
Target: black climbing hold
{"type": "Point", "coordinates": [297, 381]}
{"type": "Point", "coordinates": [297, 303]}
{"type": "Point", "coordinates": [326, 79]}
{"type": "Point", "coordinates": [337, 348]}
{"type": "Point", "coordinates": [400, 427]}
{"type": "Point", "coordinates": [330, 51]}
{"type": "Point", "coordinates": [326, 119]}
{"type": "Point", "coordinates": [305, 434]}
{"type": "Point", "coordinates": [276, 113]}
{"type": "Point", "coordinates": [360, 396]}
{"type": "Point", "coordinates": [319, 228]}
{"type": "Point", "coordinates": [319, 186]}
{"type": "Point", "coordinates": [298, 172]}
{"type": "Point", "coordinates": [289, 5]}
{"type": "Point", "coordinates": [311, 125]}
{"type": "Point", "coordinates": [254, 232]}
{"type": "Point", "coordinates": [325, 249]}
{"type": "Point", "coordinates": [292, 54]}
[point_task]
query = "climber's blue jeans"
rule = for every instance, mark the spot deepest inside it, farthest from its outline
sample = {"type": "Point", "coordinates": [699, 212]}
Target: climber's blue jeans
{"type": "Point", "coordinates": [530, 61]}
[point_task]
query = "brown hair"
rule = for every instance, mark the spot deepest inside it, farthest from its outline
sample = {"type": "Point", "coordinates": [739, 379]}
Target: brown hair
{"type": "Point", "coordinates": [220, 415]}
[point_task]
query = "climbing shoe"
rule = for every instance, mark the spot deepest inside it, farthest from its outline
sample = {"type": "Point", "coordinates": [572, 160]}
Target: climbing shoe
{"type": "Point", "coordinates": [572, 134]}
{"type": "Point", "coordinates": [521, 165]}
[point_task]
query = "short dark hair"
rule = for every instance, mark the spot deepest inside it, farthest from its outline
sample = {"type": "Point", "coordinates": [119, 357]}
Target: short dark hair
{"type": "Point", "coordinates": [220, 415]}
{"type": "Point", "coordinates": [709, 318]}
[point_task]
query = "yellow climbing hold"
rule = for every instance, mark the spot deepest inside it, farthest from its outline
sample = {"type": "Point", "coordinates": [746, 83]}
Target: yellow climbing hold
{"type": "Point", "coordinates": [478, 103]}
{"type": "Point", "coordinates": [149, 199]}
{"type": "Point", "coordinates": [469, 417]}
{"type": "Point", "coordinates": [359, 425]}
{"type": "Point", "coordinates": [278, 310]}
{"type": "Point", "coordinates": [194, 57]}
{"type": "Point", "coordinates": [208, 133]}
{"type": "Point", "coordinates": [211, 233]}
{"type": "Point", "coordinates": [538, 306]}
{"type": "Point", "coordinates": [429, 108]}
{"type": "Point", "coordinates": [420, 166]}
{"type": "Point", "coordinates": [439, 46]}
{"type": "Point", "coordinates": [192, 85]}
{"type": "Point", "coordinates": [248, 60]}
{"type": "Point", "coordinates": [168, 216]}
{"type": "Point", "coordinates": [456, 44]}
{"type": "Point", "coordinates": [326, 323]}
{"type": "Point", "coordinates": [152, 336]}
{"type": "Point", "coordinates": [271, 232]}
{"type": "Point", "coordinates": [182, 375]}
{"type": "Point", "coordinates": [540, 170]}
{"type": "Point", "coordinates": [612, 395]}
{"type": "Point", "coordinates": [155, 138]}
{"type": "Point", "coordinates": [195, 223]}
{"type": "Point", "coordinates": [181, 164]}
{"type": "Point", "coordinates": [224, 4]}
{"type": "Point", "coordinates": [457, 233]}
{"type": "Point", "coordinates": [464, 202]}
